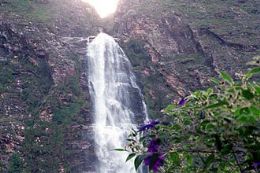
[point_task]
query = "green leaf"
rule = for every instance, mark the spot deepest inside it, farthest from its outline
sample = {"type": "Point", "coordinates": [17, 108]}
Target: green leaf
{"type": "Point", "coordinates": [203, 124]}
{"type": "Point", "coordinates": [176, 127]}
{"type": "Point", "coordinates": [142, 139]}
{"type": "Point", "coordinates": [210, 160]}
{"type": "Point", "coordinates": [252, 72]}
{"type": "Point", "coordinates": [209, 91]}
{"type": "Point", "coordinates": [209, 127]}
{"type": "Point", "coordinates": [227, 148]}
{"type": "Point", "coordinates": [187, 121]}
{"type": "Point", "coordinates": [247, 119]}
{"type": "Point", "coordinates": [257, 89]}
{"type": "Point", "coordinates": [130, 156]}
{"type": "Point", "coordinates": [138, 160]}
{"type": "Point", "coordinates": [246, 115]}
{"type": "Point", "coordinates": [247, 94]}
{"type": "Point", "coordinates": [130, 140]}
{"type": "Point", "coordinates": [175, 158]}
{"type": "Point", "coordinates": [220, 103]}
{"type": "Point", "coordinates": [215, 81]}
{"type": "Point", "coordinates": [169, 108]}
{"type": "Point", "coordinates": [226, 77]}
{"type": "Point", "coordinates": [255, 112]}
{"type": "Point", "coordinates": [189, 159]}
{"type": "Point", "coordinates": [120, 149]}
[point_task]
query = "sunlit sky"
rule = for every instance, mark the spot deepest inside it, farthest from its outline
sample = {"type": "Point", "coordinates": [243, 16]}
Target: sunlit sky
{"type": "Point", "coordinates": [103, 7]}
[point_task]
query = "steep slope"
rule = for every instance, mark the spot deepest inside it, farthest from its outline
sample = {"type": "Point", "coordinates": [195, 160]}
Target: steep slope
{"type": "Point", "coordinates": [177, 45]}
{"type": "Point", "coordinates": [44, 99]}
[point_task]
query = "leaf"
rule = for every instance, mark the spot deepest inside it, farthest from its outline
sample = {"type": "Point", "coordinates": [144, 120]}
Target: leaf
{"type": "Point", "coordinates": [120, 149]}
{"type": "Point", "coordinates": [257, 89]}
{"type": "Point", "coordinates": [209, 91]}
{"type": "Point", "coordinates": [247, 94]}
{"type": "Point", "coordinates": [252, 72]}
{"type": "Point", "coordinates": [189, 159]}
{"type": "Point", "coordinates": [187, 121]}
{"type": "Point", "coordinates": [203, 124]}
{"type": "Point", "coordinates": [175, 158]}
{"type": "Point", "coordinates": [227, 148]}
{"type": "Point", "coordinates": [255, 111]}
{"type": "Point", "coordinates": [130, 140]}
{"type": "Point", "coordinates": [215, 81]}
{"type": "Point", "coordinates": [176, 127]}
{"type": "Point", "coordinates": [142, 139]}
{"type": "Point", "coordinates": [247, 119]}
{"type": "Point", "coordinates": [138, 160]}
{"type": "Point", "coordinates": [226, 77]}
{"type": "Point", "coordinates": [169, 108]}
{"type": "Point", "coordinates": [130, 156]}
{"type": "Point", "coordinates": [220, 103]}
{"type": "Point", "coordinates": [245, 115]}
{"type": "Point", "coordinates": [210, 160]}
{"type": "Point", "coordinates": [209, 127]}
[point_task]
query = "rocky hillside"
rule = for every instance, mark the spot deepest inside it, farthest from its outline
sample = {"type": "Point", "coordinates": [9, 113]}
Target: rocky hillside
{"type": "Point", "coordinates": [174, 45]}
{"type": "Point", "coordinates": [44, 99]}
{"type": "Point", "coordinates": [177, 45]}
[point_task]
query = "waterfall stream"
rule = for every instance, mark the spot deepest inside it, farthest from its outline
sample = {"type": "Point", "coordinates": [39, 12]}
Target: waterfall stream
{"type": "Point", "coordinates": [118, 102]}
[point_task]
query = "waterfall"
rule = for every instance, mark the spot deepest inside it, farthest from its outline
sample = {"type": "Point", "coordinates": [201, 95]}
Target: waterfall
{"type": "Point", "coordinates": [118, 102]}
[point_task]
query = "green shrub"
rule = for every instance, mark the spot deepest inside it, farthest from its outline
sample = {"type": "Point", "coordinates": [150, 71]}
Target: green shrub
{"type": "Point", "coordinates": [15, 164]}
{"type": "Point", "coordinates": [214, 130]}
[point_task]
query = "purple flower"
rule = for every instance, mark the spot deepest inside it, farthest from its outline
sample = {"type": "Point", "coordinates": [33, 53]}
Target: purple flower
{"type": "Point", "coordinates": [183, 101]}
{"type": "Point", "coordinates": [154, 161]}
{"type": "Point", "coordinates": [154, 145]}
{"type": "Point", "coordinates": [150, 125]}
{"type": "Point", "coordinates": [256, 165]}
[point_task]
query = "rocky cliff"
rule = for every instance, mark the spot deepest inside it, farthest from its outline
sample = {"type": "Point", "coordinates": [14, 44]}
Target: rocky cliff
{"type": "Point", "coordinates": [174, 46]}
{"type": "Point", "coordinates": [44, 98]}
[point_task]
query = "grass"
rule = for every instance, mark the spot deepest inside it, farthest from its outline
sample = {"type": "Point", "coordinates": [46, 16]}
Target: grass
{"type": "Point", "coordinates": [28, 8]}
{"type": "Point", "coordinates": [35, 11]}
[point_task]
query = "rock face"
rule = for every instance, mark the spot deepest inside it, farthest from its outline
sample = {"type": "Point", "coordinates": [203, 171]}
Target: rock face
{"type": "Point", "coordinates": [174, 46]}
{"type": "Point", "coordinates": [44, 108]}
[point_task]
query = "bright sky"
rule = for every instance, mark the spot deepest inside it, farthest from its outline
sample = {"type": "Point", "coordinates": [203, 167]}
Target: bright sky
{"type": "Point", "coordinates": [103, 7]}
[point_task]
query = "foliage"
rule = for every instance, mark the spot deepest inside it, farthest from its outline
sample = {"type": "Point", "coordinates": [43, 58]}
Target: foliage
{"type": "Point", "coordinates": [15, 164]}
{"type": "Point", "coordinates": [6, 77]}
{"type": "Point", "coordinates": [45, 143]}
{"type": "Point", "coordinates": [36, 85]}
{"type": "Point", "coordinates": [214, 130]}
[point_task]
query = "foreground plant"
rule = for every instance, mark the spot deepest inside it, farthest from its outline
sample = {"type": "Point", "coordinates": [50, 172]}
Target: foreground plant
{"type": "Point", "coordinates": [217, 130]}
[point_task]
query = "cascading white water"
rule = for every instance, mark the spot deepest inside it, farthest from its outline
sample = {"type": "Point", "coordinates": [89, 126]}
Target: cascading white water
{"type": "Point", "coordinates": [117, 102]}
